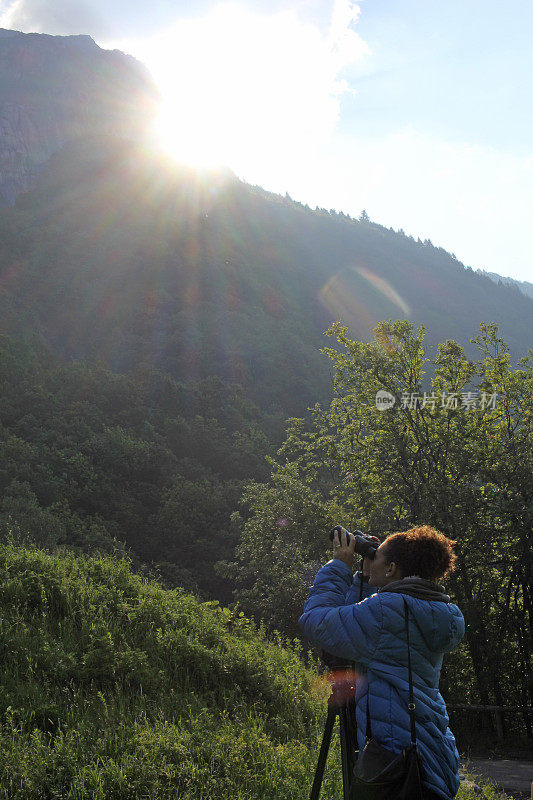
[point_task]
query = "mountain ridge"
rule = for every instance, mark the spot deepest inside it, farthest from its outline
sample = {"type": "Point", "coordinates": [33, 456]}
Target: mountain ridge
{"type": "Point", "coordinates": [55, 89]}
{"type": "Point", "coordinates": [524, 286]}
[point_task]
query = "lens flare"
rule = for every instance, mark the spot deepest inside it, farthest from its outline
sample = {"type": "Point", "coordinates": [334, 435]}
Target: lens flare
{"type": "Point", "coordinates": [342, 682]}
{"type": "Point", "coordinates": [360, 298]}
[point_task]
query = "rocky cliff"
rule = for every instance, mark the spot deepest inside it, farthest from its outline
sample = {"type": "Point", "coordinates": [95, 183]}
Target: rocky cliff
{"type": "Point", "coordinates": [57, 89]}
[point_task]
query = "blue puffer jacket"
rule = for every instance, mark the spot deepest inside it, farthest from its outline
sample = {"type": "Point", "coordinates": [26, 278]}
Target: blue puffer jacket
{"type": "Point", "coordinates": [372, 633]}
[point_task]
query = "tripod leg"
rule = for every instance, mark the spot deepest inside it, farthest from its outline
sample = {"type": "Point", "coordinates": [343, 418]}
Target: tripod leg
{"type": "Point", "coordinates": [322, 756]}
{"type": "Point", "coordinates": [347, 748]}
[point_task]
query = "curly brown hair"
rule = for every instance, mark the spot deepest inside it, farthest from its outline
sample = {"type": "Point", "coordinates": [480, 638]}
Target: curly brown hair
{"type": "Point", "coordinates": [422, 551]}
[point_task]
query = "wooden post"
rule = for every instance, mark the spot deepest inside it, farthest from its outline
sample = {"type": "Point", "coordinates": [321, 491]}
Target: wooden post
{"type": "Point", "coordinates": [498, 724]}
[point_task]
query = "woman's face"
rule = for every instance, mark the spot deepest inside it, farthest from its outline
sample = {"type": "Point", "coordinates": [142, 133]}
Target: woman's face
{"type": "Point", "coordinates": [382, 570]}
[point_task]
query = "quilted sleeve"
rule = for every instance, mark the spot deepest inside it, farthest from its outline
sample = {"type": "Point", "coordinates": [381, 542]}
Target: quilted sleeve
{"type": "Point", "coordinates": [457, 629]}
{"type": "Point", "coordinates": [358, 590]}
{"type": "Point", "coordinates": [348, 631]}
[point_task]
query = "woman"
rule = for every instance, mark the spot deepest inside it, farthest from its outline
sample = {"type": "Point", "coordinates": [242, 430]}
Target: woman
{"type": "Point", "coordinates": [372, 633]}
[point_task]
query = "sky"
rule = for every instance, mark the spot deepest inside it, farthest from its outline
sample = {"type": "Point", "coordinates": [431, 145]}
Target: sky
{"type": "Point", "coordinates": [418, 111]}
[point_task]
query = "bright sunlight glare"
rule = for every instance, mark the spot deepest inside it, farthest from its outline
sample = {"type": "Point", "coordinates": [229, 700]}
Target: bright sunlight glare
{"type": "Point", "coordinates": [259, 94]}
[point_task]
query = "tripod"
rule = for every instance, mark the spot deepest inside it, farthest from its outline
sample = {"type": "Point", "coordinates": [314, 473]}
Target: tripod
{"type": "Point", "coordinates": [341, 702]}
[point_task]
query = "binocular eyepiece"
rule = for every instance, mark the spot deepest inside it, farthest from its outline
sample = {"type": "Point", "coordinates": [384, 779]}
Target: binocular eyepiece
{"type": "Point", "coordinates": [363, 545]}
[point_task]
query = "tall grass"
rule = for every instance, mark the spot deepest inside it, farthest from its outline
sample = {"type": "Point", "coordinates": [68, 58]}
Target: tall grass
{"type": "Point", "coordinates": [113, 687]}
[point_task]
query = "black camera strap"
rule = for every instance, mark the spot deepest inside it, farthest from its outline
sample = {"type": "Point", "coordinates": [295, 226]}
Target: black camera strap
{"type": "Point", "coordinates": [411, 705]}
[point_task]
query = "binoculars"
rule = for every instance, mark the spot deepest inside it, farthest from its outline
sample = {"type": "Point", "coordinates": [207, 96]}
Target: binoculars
{"type": "Point", "coordinates": [363, 546]}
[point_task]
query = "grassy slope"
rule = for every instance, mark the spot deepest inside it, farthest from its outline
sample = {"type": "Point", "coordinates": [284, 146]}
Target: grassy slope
{"type": "Point", "coordinates": [114, 688]}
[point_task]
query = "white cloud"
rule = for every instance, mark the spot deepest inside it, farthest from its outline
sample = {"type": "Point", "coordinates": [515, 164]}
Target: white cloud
{"type": "Point", "coordinates": [60, 17]}
{"type": "Point", "coordinates": [345, 43]}
{"type": "Point", "coordinates": [108, 20]}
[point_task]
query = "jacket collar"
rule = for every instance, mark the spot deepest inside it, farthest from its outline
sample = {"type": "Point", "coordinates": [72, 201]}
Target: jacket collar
{"type": "Point", "coordinates": [418, 587]}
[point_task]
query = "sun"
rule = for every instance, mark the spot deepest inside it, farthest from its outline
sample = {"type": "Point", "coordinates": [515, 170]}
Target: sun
{"type": "Point", "coordinates": [218, 78]}
{"type": "Point", "coordinates": [256, 93]}
{"type": "Point", "coordinates": [187, 143]}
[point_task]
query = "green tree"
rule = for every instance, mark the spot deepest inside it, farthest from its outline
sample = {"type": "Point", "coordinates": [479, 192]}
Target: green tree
{"type": "Point", "coordinates": [192, 530]}
{"type": "Point", "coordinates": [283, 542]}
{"type": "Point", "coordinates": [455, 450]}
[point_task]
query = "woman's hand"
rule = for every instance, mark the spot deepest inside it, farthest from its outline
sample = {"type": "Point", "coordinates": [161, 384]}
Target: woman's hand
{"type": "Point", "coordinates": [344, 547]}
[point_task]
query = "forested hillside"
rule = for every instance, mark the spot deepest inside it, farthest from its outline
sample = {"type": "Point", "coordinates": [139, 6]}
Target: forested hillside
{"type": "Point", "coordinates": [94, 460]}
{"type": "Point", "coordinates": [525, 286]}
{"type": "Point", "coordinates": [116, 255]}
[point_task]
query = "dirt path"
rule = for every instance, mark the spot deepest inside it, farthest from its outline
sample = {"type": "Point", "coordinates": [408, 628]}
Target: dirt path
{"type": "Point", "coordinates": [515, 777]}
